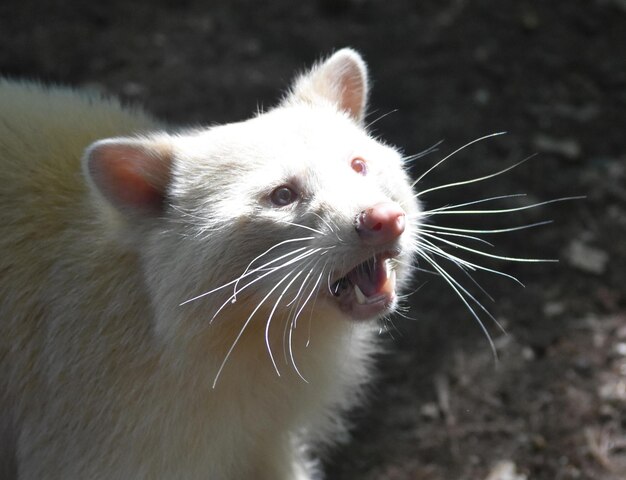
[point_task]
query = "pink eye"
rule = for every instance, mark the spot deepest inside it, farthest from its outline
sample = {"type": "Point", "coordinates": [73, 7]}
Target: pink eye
{"type": "Point", "coordinates": [283, 195]}
{"type": "Point", "coordinates": [359, 166]}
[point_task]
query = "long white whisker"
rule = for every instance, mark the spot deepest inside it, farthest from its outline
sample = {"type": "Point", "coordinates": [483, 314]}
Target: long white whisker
{"type": "Point", "coordinates": [269, 319]}
{"type": "Point", "coordinates": [323, 221]}
{"type": "Point", "coordinates": [505, 210]}
{"type": "Point", "coordinates": [209, 292]}
{"type": "Point", "coordinates": [317, 282]}
{"type": "Point", "coordinates": [293, 306]}
{"type": "Point", "coordinates": [460, 261]}
{"type": "Point", "coordinates": [297, 295]}
{"type": "Point", "coordinates": [423, 153]}
{"type": "Point", "coordinates": [423, 270]}
{"type": "Point", "coordinates": [266, 266]}
{"type": "Point", "coordinates": [409, 294]}
{"type": "Point", "coordinates": [291, 240]}
{"type": "Point", "coordinates": [499, 230]}
{"type": "Point", "coordinates": [232, 298]}
{"type": "Point", "coordinates": [380, 117]}
{"type": "Point", "coordinates": [245, 325]}
{"type": "Point", "coordinates": [464, 290]}
{"type": "Point", "coordinates": [406, 317]}
{"type": "Point", "coordinates": [308, 341]}
{"type": "Point", "coordinates": [474, 180]}
{"type": "Point", "coordinates": [295, 302]}
{"type": "Point", "coordinates": [300, 257]}
{"type": "Point", "coordinates": [291, 355]}
{"type": "Point", "coordinates": [436, 250]}
{"type": "Point", "coordinates": [470, 237]}
{"type": "Point", "coordinates": [453, 153]}
{"type": "Point", "coordinates": [301, 226]}
{"type": "Point", "coordinates": [247, 272]}
{"type": "Point", "coordinates": [328, 282]}
{"type": "Point", "coordinates": [480, 252]}
{"type": "Point", "coordinates": [475, 282]}
{"type": "Point", "coordinates": [473, 202]}
{"type": "Point", "coordinates": [451, 282]}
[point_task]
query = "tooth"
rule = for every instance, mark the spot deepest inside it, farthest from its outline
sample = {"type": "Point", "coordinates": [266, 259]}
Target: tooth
{"type": "Point", "coordinates": [390, 285]}
{"type": "Point", "coordinates": [360, 298]}
{"type": "Point", "coordinates": [392, 279]}
{"type": "Point", "coordinates": [388, 267]}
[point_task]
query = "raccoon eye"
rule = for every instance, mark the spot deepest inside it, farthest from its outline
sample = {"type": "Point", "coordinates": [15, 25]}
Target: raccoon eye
{"type": "Point", "coordinates": [359, 166]}
{"type": "Point", "coordinates": [283, 195]}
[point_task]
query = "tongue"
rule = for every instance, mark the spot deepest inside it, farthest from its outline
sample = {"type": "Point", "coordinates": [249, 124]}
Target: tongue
{"type": "Point", "coordinates": [373, 280]}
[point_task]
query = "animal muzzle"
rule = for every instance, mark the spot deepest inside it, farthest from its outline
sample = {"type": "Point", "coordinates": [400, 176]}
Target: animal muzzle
{"type": "Point", "coordinates": [380, 224]}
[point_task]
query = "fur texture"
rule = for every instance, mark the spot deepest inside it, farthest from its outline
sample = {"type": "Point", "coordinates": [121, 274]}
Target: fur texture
{"type": "Point", "coordinates": [109, 225]}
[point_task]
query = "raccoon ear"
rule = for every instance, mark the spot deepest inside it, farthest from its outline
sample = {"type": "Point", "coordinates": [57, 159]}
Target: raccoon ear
{"type": "Point", "coordinates": [341, 79]}
{"type": "Point", "coordinates": [131, 174]}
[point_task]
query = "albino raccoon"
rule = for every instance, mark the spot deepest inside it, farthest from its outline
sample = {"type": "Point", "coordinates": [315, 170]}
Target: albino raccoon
{"type": "Point", "coordinates": [192, 304]}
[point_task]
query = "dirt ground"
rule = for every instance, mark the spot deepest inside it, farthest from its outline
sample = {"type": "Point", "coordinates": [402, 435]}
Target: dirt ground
{"type": "Point", "coordinates": [551, 74]}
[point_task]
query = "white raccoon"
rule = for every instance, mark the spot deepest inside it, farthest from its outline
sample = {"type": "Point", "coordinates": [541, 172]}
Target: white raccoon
{"type": "Point", "coordinates": [192, 305]}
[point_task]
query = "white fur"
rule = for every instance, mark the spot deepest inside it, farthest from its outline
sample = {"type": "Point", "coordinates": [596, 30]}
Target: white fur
{"type": "Point", "coordinates": [103, 373]}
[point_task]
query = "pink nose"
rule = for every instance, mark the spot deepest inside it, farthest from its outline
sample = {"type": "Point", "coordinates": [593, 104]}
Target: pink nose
{"type": "Point", "coordinates": [380, 224]}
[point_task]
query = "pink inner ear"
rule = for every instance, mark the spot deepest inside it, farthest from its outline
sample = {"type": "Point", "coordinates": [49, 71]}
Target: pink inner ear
{"type": "Point", "coordinates": [132, 175]}
{"type": "Point", "coordinates": [352, 91]}
{"type": "Point", "coordinates": [346, 72]}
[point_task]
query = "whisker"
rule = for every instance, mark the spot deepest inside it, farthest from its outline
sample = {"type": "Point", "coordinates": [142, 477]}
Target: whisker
{"type": "Point", "coordinates": [506, 210]}
{"type": "Point", "coordinates": [243, 275]}
{"type": "Point", "coordinates": [247, 272]}
{"type": "Point", "coordinates": [308, 341]}
{"type": "Point", "coordinates": [474, 180]}
{"type": "Point", "coordinates": [473, 202]}
{"type": "Point", "coordinates": [480, 252]}
{"type": "Point", "coordinates": [429, 150]}
{"type": "Point", "coordinates": [453, 153]}
{"type": "Point", "coordinates": [423, 270]}
{"type": "Point", "coordinates": [297, 295]}
{"type": "Point", "coordinates": [269, 319]}
{"type": "Point", "coordinates": [323, 221]}
{"type": "Point", "coordinates": [302, 256]}
{"type": "Point", "coordinates": [294, 321]}
{"type": "Point", "coordinates": [480, 305]}
{"type": "Point", "coordinates": [232, 298]}
{"type": "Point", "coordinates": [295, 305]}
{"type": "Point", "coordinates": [301, 226]}
{"type": "Point", "coordinates": [413, 292]}
{"type": "Point", "coordinates": [291, 240]}
{"type": "Point", "coordinates": [452, 282]}
{"type": "Point", "coordinates": [460, 261]}
{"type": "Point", "coordinates": [209, 292]}
{"type": "Point", "coordinates": [475, 282]}
{"type": "Point", "coordinates": [380, 117]}
{"type": "Point", "coordinates": [386, 323]}
{"type": "Point", "coordinates": [330, 288]}
{"type": "Point", "coordinates": [317, 282]}
{"type": "Point", "coordinates": [245, 325]}
{"type": "Point", "coordinates": [406, 317]}
{"type": "Point", "coordinates": [470, 237]}
{"type": "Point", "coordinates": [290, 322]}
{"type": "Point", "coordinates": [291, 355]}
{"type": "Point", "coordinates": [499, 230]}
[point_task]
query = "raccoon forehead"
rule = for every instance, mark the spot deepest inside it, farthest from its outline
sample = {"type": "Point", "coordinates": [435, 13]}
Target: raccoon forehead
{"type": "Point", "coordinates": [303, 143]}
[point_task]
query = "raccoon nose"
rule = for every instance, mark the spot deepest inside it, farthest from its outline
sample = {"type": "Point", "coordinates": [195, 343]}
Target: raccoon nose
{"type": "Point", "coordinates": [380, 224]}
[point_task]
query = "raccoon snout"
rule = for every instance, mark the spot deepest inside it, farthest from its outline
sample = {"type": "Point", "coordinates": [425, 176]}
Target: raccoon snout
{"type": "Point", "coordinates": [380, 224]}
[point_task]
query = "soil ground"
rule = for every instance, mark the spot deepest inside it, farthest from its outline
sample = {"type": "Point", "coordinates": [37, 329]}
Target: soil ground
{"type": "Point", "coordinates": [552, 74]}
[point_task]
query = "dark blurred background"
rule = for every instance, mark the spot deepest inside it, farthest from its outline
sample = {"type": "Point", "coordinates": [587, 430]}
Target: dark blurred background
{"type": "Point", "coordinates": [551, 74]}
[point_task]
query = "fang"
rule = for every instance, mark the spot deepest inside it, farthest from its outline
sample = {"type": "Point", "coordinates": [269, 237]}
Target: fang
{"type": "Point", "coordinates": [360, 297]}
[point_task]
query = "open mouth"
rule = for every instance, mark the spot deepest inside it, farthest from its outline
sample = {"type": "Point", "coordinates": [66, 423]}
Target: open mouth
{"type": "Point", "coordinates": [369, 289]}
